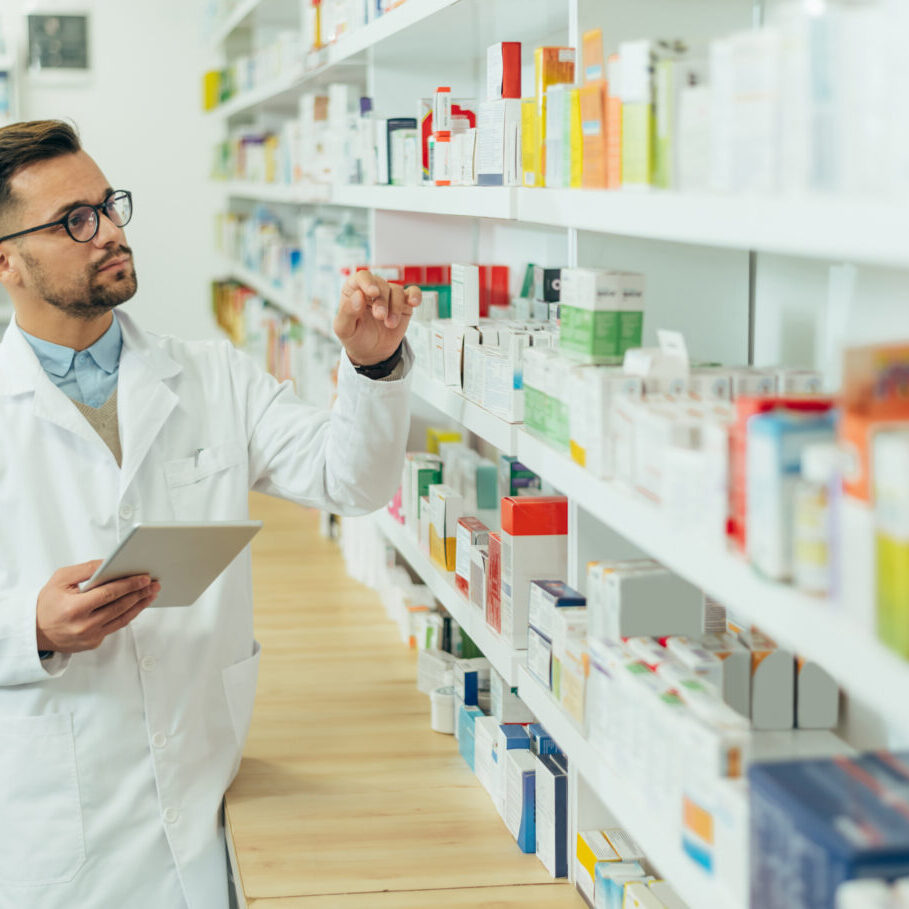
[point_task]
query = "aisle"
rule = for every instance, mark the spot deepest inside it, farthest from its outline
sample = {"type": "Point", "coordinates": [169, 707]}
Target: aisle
{"type": "Point", "coordinates": [345, 792]}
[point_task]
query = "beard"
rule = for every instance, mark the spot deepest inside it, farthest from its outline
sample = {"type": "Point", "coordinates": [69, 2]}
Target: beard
{"type": "Point", "coordinates": [90, 298]}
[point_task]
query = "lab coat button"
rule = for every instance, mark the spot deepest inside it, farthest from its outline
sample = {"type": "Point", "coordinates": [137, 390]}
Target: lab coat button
{"type": "Point", "coordinates": [148, 663]}
{"type": "Point", "coordinates": [159, 740]}
{"type": "Point", "coordinates": [126, 512]}
{"type": "Point", "coordinates": [171, 815]}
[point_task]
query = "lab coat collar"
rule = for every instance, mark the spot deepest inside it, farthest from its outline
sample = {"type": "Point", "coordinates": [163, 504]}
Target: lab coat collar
{"type": "Point", "coordinates": [144, 401]}
{"type": "Point", "coordinates": [21, 371]}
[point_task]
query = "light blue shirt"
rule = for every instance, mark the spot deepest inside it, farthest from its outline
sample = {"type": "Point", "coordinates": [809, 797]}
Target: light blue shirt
{"type": "Point", "coordinates": [88, 376]}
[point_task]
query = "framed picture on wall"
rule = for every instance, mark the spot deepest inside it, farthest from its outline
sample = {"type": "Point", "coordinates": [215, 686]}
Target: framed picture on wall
{"type": "Point", "coordinates": [58, 44]}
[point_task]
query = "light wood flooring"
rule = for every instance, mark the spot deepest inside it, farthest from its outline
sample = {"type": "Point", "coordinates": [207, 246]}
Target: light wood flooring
{"type": "Point", "coordinates": [346, 798]}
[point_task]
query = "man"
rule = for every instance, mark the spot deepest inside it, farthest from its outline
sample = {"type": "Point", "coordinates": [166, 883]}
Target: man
{"type": "Point", "coordinates": [120, 726]}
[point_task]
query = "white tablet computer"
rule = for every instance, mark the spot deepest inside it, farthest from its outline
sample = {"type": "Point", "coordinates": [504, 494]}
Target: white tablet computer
{"type": "Point", "coordinates": [183, 558]}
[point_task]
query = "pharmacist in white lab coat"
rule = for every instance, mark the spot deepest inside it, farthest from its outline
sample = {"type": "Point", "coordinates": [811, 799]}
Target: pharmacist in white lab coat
{"type": "Point", "coordinates": [121, 727]}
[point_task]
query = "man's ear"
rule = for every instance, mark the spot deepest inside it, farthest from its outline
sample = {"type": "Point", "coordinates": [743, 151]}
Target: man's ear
{"type": "Point", "coordinates": [9, 274]}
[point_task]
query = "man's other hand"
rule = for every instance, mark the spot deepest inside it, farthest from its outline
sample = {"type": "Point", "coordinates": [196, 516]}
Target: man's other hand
{"type": "Point", "coordinates": [373, 316]}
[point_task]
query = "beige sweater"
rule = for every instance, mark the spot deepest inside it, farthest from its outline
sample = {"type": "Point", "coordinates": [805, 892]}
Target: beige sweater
{"type": "Point", "coordinates": [104, 421]}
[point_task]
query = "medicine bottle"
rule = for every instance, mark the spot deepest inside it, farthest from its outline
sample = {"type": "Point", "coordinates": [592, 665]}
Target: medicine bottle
{"type": "Point", "coordinates": [816, 512]}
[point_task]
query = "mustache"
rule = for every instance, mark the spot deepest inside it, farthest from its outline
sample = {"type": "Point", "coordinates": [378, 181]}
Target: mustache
{"type": "Point", "coordinates": [114, 254]}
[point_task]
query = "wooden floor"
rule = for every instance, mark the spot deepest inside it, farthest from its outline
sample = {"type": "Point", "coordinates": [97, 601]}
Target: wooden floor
{"type": "Point", "coordinates": [346, 799]}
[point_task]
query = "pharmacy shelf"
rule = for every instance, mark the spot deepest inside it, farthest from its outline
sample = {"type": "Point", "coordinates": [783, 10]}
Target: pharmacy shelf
{"type": "Point", "coordinates": [281, 90]}
{"type": "Point", "coordinates": [379, 30]}
{"type": "Point", "coordinates": [839, 228]}
{"type": "Point", "coordinates": [810, 626]}
{"type": "Point", "coordinates": [506, 661]}
{"type": "Point", "coordinates": [280, 193]}
{"type": "Point", "coordinates": [275, 295]}
{"type": "Point", "coordinates": [695, 887]}
{"type": "Point", "coordinates": [833, 228]}
{"type": "Point", "coordinates": [471, 416]}
{"type": "Point", "coordinates": [234, 19]}
{"type": "Point", "coordinates": [318, 322]}
{"type": "Point", "coordinates": [462, 201]}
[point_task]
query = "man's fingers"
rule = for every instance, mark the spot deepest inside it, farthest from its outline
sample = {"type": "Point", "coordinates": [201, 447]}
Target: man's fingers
{"type": "Point", "coordinates": [70, 575]}
{"type": "Point", "coordinates": [413, 295]}
{"type": "Point", "coordinates": [111, 591]}
{"type": "Point", "coordinates": [368, 284]}
{"type": "Point", "coordinates": [124, 618]}
{"type": "Point", "coordinates": [110, 613]}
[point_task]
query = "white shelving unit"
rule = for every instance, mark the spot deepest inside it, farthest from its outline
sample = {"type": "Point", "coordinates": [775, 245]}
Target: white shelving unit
{"type": "Point", "coordinates": [506, 661]}
{"type": "Point", "coordinates": [811, 626]}
{"type": "Point", "coordinates": [691, 882]}
{"type": "Point", "coordinates": [856, 230]}
{"type": "Point", "coordinates": [739, 275]}
{"type": "Point", "coordinates": [279, 297]}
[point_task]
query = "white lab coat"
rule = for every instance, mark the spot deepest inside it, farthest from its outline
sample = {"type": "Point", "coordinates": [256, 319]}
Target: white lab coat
{"type": "Point", "coordinates": [113, 762]}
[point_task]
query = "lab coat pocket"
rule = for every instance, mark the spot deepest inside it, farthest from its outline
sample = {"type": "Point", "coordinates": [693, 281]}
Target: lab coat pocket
{"type": "Point", "coordinates": [240, 691]}
{"type": "Point", "coordinates": [200, 486]}
{"type": "Point", "coordinates": [41, 838]}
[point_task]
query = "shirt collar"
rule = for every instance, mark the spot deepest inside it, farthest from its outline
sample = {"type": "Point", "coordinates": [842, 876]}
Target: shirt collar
{"type": "Point", "coordinates": [58, 360]}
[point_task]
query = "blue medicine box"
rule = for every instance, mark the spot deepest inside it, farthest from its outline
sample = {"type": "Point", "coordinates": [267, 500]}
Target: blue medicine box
{"type": "Point", "coordinates": [466, 718]}
{"type": "Point", "coordinates": [541, 742]}
{"type": "Point", "coordinates": [815, 824]}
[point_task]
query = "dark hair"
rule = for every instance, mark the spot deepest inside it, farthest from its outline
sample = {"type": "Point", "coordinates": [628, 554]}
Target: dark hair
{"type": "Point", "coordinates": [26, 143]}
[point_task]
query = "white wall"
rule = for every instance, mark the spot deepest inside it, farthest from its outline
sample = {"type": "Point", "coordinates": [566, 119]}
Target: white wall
{"type": "Point", "coordinates": [139, 115]}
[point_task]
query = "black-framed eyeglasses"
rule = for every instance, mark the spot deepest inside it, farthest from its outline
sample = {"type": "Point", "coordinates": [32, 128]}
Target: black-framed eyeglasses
{"type": "Point", "coordinates": [82, 221]}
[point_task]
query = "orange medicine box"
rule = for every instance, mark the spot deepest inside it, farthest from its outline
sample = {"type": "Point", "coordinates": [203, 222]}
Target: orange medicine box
{"type": "Point", "coordinates": [613, 123]}
{"type": "Point", "coordinates": [593, 135]}
{"type": "Point", "coordinates": [534, 545]}
{"type": "Point", "coordinates": [552, 66]}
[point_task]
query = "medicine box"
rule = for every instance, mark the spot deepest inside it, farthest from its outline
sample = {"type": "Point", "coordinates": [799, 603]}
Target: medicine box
{"type": "Point", "coordinates": [592, 391]}
{"type": "Point", "coordinates": [775, 444]}
{"type": "Point", "coordinates": [465, 294]}
{"type": "Point", "coordinates": [445, 507]}
{"type": "Point", "coordinates": [520, 798]}
{"type": "Point", "coordinates": [484, 766]}
{"type": "Point", "coordinates": [644, 599]}
{"type": "Point", "coordinates": [515, 479]}
{"type": "Point", "coordinates": [721, 661]}
{"type": "Point", "coordinates": [534, 544]}
{"type": "Point", "coordinates": [479, 559]}
{"type": "Point", "coordinates": [494, 583]}
{"type": "Point", "coordinates": [552, 814]}
{"type": "Point", "coordinates": [545, 598]}
{"type": "Point", "coordinates": [505, 704]}
{"type": "Point", "coordinates": [826, 821]}
{"type": "Point", "coordinates": [611, 878]}
{"type": "Point", "coordinates": [471, 676]}
{"type": "Point", "coordinates": [772, 683]}
{"type": "Point", "coordinates": [541, 741]}
{"type": "Point", "coordinates": [508, 737]}
{"type": "Point", "coordinates": [539, 657]}
{"type": "Point", "coordinates": [602, 314]}
{"type": "Point", "coordinates": [435, 436]}
{"type": "Point", "coordinates": [503, 70]}
{"type": "Point", "coordinates": [817, 696]}
{"type": "Point", "coordinates": [472, 532]}
{"type": "Point", "coordinates": [432, 667]}
{"type": "Point", "coordinates": [638, 895]}
{"type": "Point", "coordinates": [591, 847]}
{"type": "Point", "coordinates": [466, 719]}
{"type": "Point", "coordinates": [547, 284]}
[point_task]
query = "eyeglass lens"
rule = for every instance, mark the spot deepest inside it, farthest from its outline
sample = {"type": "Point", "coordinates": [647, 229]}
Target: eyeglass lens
{"type": "Point", "coordinates": [82, 222]}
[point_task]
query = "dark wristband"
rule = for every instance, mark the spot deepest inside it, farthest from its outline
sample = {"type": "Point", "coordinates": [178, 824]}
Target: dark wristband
{"type": "Point", "coordinates": [45, 654]}
{"type": "Point", "coordinates": [383, 369]}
